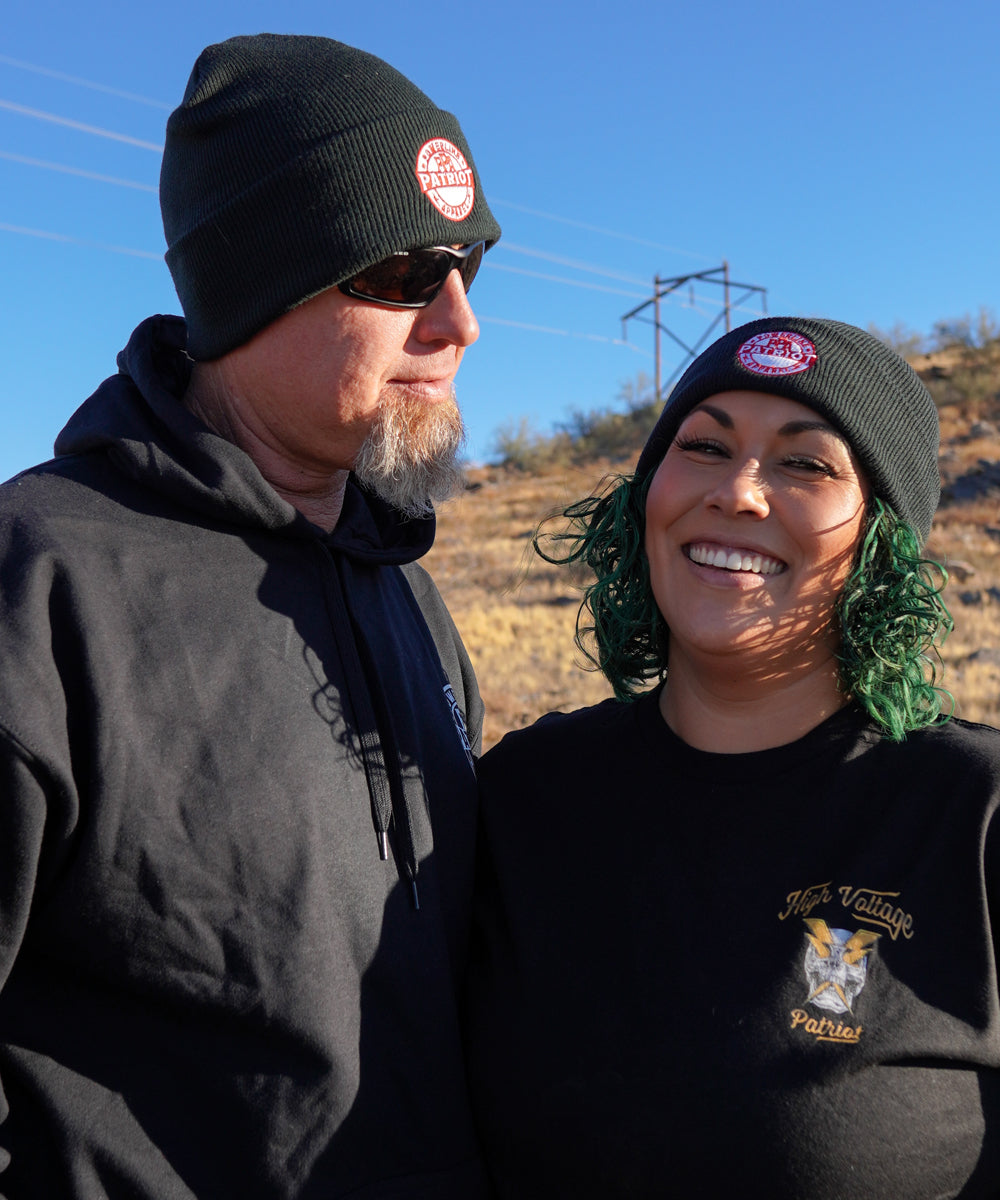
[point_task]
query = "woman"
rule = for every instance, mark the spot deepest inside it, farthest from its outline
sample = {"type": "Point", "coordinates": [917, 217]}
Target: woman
{"type": "Point", "coordinates": [735, 934]}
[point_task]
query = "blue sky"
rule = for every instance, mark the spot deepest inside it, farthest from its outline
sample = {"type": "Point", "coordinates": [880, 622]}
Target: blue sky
{"type": "Point", "coordinates": [842, 157]}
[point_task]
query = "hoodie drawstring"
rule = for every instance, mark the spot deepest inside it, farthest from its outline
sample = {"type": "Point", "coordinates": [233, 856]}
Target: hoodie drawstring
{"type": "Point", "coordinates": [388, 799]}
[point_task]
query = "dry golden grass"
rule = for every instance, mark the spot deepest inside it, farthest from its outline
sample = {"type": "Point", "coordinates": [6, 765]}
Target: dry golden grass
{"type": "Point", "coordinates": [517, 614]}
{"type": "Point", "coordinates": [964, 538]}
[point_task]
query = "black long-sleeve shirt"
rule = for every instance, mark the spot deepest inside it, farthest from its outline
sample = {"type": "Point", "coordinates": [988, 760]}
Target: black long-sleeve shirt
{"type": "Point", "coordinates": [764, 975]}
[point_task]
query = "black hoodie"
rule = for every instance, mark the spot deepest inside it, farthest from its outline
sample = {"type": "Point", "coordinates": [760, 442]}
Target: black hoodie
{"type": "Point", "coordinates": [211, 715]}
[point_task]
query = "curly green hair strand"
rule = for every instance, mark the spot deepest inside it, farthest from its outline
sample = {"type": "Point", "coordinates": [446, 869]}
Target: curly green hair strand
{"type": "Point", "coordinates": [607, 532]}
{"type": "Point", "coordinates": [892, 621]}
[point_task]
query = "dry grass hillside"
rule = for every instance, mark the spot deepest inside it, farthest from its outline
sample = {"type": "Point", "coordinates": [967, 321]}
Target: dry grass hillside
{"type": "Point", "coordinates": [517, 613]}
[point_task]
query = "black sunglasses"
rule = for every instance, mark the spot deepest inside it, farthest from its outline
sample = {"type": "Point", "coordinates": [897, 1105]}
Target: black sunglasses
{"type": "Point", "coordinates": [415, 278]}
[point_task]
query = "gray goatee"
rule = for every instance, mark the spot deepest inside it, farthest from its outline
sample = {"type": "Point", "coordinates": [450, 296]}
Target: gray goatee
{"type": "Point", "coordinates": [410, 458]}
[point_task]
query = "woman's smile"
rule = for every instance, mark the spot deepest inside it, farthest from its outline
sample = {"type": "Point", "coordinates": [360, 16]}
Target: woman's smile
{"type": "Point", "coordinates": [726, 558]}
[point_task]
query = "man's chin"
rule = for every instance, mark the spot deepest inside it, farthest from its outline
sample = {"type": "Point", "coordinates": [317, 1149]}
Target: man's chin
{"type": "Point", "coordinates": [410, 458]}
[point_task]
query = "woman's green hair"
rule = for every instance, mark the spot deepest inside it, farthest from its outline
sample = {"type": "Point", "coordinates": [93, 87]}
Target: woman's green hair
{"type": "Point", "coordinates": [892, 617]}
{"type": "Point", "coordinates": [892, 621]}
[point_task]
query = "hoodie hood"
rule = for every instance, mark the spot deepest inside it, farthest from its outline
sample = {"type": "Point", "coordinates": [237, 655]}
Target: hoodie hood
{"type": "Point", "coordinates": [137, 418]}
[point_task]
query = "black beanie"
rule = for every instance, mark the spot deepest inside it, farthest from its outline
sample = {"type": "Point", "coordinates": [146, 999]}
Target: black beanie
{"type": "Point", "coordinates": [874, 398]}
{"type": "Point", "coordinates": [292, 164]}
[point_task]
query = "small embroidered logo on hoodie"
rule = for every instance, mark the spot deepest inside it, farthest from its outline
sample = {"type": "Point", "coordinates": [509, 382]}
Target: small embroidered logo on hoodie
{"type": "Point", "coordinates": [456, 716]}
{"type": "Point", "coordinates": [446, 179]}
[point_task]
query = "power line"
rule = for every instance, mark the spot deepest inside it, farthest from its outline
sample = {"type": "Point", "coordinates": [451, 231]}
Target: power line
{"type": "Point", "coordinates": [576, 264]}
{"type": "Point", "coordinates": [38, 115]}
{"type": "Point", "coordinates": [683, 301]}
{"type": "Point", "coordinates": [589, 337]}
{"type": "Point", "coordinates": [88, 83]}
{"type": "Point", "coordinates": [63, 237]}
{"type": "Point", "coordinates": [66, 170]}
{"type": "Point", "coordinates": [625, 237]}
{"type": "Point", "coordinates": [577, 283]}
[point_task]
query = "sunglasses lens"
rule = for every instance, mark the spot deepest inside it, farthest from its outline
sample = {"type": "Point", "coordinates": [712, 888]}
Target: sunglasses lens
{"type": "Point", "coordinates": [387, 280]}
{"type": "Point", "coordinates": [469, 267]}
{"type": "Point", "coordinates": [414, 279]}
{"type": "Point", "coordinates": [428, 271]}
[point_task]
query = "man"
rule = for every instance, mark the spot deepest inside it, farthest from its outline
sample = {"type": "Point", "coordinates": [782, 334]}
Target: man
{"type": "Point", "coordinates": [237, 801]}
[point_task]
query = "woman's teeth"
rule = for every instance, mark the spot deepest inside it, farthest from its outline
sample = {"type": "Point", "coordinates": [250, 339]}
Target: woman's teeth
{"type": "Point", "coordinates": [735, 560]}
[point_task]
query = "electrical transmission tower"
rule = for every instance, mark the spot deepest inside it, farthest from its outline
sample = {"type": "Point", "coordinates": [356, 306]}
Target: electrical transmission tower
{"type": "Point", "coordinates": [664, 287]}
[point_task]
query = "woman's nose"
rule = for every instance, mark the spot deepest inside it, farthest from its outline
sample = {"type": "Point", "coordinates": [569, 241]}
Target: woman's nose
{"type": "Point", "coordinates": [742, 490]}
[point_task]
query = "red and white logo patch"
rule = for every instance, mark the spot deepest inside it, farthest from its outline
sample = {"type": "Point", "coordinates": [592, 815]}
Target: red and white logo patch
{"type": "Point", "coordinates": [778, 353]}
{"type": "Point", "coordinates": [445, 178]}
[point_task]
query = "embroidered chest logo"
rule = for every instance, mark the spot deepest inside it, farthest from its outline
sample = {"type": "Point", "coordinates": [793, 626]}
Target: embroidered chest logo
{"type": "Point", "coordinates": [835, 961]}
{"type": "Point", "coordinates": [456, 716]}
{"type": "Point", "coordinates": [446, 178]}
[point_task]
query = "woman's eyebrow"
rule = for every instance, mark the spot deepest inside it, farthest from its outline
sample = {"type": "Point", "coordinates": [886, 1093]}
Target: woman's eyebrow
{"type": "Point", "coordinates": [718, 414]}
{"type": "Point", "coordinates": [789, 429]}
{"type": "Point", "coordinates": [793, 427]}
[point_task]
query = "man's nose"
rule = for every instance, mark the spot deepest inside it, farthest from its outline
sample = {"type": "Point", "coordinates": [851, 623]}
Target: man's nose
{"type": "Point", "coordinates": [449, 317]}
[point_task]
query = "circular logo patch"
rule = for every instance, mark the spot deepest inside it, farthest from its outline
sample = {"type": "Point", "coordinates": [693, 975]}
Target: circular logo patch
{"type": "Point", "coordinates": [777, 353]}
{"type": "Point", "coordinates": [446, 178]}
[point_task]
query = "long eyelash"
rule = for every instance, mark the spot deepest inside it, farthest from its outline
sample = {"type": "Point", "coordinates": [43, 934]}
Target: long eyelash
{"type": "Point", "coordinates": [813, 463]}
{"type": "Point", "coordinates": [682, 442]}
{"type": "Point", "coordinates": [695, 443]}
